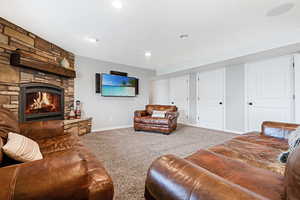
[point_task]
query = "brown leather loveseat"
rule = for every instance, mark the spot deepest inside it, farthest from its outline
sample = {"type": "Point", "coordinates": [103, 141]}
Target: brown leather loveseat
{"type": "Point", "coordinates": [143, 121]}
{"type": "Point", "coordinates": [67, 171]}
{"type": "Point", "coordinates": [243, 168]}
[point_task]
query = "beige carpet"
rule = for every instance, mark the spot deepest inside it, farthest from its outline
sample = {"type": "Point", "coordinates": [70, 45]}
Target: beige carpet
{"type": "Point", "coordinates": [127, 154]}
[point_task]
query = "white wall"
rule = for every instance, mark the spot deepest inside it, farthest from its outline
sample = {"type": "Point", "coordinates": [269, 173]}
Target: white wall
{"type": "Point", "coordinates": [235, 98]}
{"type": "Point", "coordinates": [109, 112]}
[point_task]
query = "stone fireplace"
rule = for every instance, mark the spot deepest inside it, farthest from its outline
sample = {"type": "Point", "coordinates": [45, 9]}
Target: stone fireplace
{"type": "Point", "coordinates": [33, 84]}
{"type": "Point", "coordinates": [38, 77]}
{"type": "Point", "coordinates": [40, 101]}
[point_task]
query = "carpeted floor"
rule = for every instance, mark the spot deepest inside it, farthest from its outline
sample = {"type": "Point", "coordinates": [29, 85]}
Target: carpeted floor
{"type": "Point", "coordinates": [127, 154]}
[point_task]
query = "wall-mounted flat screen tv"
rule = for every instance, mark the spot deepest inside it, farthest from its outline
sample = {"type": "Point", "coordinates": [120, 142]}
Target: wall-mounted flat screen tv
{"type": "Point", "coordinates": [118, 86]}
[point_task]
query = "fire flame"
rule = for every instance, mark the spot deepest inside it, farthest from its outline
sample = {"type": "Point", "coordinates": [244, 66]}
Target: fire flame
{"type": "Point", "coordinates": [42, 101]}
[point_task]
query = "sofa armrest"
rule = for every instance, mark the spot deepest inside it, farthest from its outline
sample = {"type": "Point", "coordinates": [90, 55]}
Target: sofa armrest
{"type": "Point", "coordinates": [140, 113]}
{"type": "Point", "coordinates": [100, 184]}
{"type": "Point", "coordinates": [55, 177]}
{"type": "Point", "coordinates": [172, 115]}
{"type": "Point", "coordinates": [42, 129]}
{"type": "Point", "coordinates": [170, 177]}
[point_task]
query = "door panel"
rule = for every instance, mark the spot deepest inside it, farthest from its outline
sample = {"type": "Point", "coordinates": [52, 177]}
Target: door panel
{"type": "Point", "coordinates": [179, 96]}
{"type": "Point", "coordinates": [269, 92]}
{"type": "Point", "coordinates": [211, 99]}
{"type": "Point", "coordinates": [160, 92]}
{"type": "Point", "coordinates": [297, 87]}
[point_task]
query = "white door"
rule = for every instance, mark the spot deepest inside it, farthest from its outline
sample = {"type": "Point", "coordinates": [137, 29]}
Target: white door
{"type": "Point", "coordinates": [160, 92]}
{"type": "Point", "coordinates": [179, 96]}
{"type": "Point", "coordinates": [211, 92]}
{"type": "Point", "coordinates": [269, 87]}
{"type": "Point", "coordinates": [297, 87]}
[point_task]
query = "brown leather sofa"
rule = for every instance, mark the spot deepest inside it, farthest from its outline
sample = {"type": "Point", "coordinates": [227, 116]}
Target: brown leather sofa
{"type": "Point", "coordinates": [244, 168]}
{"type": "Point", "coordinates": [67, 171]}
{"type": "Point", "coordinates": [144, 122]}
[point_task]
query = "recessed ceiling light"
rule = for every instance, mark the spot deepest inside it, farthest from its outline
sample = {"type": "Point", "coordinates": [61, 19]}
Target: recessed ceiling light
{"type": "Point", "coordinates": [117, 4]}
{"type": "Point", "coordinates": [92, 40]}
{"type": "Point", "coordinates": [148, 54]}
{"type": "Point", "coordinates": [280, 10]}
{"type": "Point", "coordinates": [183, 36]}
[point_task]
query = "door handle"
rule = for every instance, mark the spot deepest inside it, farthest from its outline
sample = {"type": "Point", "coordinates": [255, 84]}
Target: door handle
{"type": "Point", "coordinates": [250, 103]}
{"type": "Point", "coordinates": [172, 102]}
{"type": "Point", "coordinates": [221, 103]}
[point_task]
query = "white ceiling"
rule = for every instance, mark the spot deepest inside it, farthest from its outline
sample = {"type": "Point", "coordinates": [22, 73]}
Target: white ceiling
{"type": "Point", "coordinates": [218, 29]}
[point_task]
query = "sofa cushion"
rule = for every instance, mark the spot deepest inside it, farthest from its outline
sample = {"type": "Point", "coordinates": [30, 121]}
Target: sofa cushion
{"type": "Point", "coordinates": [151, 120]}
{"type": "Point", "coordinates": [8, 123]}
{"type": "Point", "coordinates": [21, 148]}
{"type": "Point", "coordinates": [292, 176]}
{"type": "Point", "coordinates": [260, 181]}
{"type": "Point", "coordinates": [265, 140]}
{"type": "Point", "coordinates": [254, 154]}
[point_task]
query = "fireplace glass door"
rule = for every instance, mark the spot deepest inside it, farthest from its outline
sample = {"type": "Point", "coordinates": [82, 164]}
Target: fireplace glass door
{"type": "Point", "coordinates": [41, 102]}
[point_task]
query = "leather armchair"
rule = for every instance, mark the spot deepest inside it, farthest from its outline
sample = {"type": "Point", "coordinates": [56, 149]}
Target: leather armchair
{"type": "Point", "coordinates": [143, 121]}
{"type": "Point", "coordinates": [67, 171]}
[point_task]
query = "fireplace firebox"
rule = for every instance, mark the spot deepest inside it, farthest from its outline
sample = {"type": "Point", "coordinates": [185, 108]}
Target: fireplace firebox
{"type": "Point", "coordinates": [39, 101]}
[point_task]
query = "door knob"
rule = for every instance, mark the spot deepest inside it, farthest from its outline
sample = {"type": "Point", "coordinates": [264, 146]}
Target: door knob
{"type": "Point", "coordinates": [172, 102]}
{"type": "Point", "coordinates": [221, 103]}
{"type": "Point", "coordinates": [250, 103]}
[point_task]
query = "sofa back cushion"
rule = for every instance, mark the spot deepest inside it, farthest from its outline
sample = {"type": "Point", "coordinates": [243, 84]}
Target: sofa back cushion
{"type": "Point", "coordinates": [292, 176]}
{"type": "Point", "coordinates": [42, 129]}
{"type": "Point", "coordinates": [150, 108]}
{"type": "Point", "coordinates": [8, 123]}
{"type": "Point", "coordinates": [278, 129]}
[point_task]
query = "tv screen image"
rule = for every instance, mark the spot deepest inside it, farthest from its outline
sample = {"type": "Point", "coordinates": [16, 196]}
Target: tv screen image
{"type": "Point", "coordinates": [118, 86]}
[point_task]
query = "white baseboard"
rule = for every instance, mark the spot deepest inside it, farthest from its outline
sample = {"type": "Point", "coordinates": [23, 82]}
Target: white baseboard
{"type": "Point", "coordinates": [224, 130]}
{"type": "Point", "coordinates": [236, 132]}
{"type": "Point", "coordinates": [111, 128]}
{"type": "Point", "coordinates": [189, 124]}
